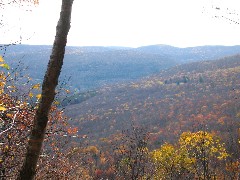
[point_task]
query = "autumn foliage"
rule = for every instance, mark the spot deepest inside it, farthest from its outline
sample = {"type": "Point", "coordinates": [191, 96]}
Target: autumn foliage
{"type": "Point", "coordinates": [181, 124]}
{"type": "Point", "coordinates": [17, 110]}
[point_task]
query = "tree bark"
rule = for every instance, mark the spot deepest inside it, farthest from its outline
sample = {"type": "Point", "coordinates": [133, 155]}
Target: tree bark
{"type": "Point", "coordinates": [48, 93]}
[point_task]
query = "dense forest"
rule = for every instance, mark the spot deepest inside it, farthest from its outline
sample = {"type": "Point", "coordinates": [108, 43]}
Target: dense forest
{"type": "Point", "coordinates": [180, 123]}
{"type": "Point", "coordinates": [173, 100]}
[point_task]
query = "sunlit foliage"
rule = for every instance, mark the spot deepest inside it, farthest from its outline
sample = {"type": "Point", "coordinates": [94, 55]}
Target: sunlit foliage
{"type": "Point", "coordinates": [196, 155]}
{"type": "Point", "coordinates": [172, 162]}
{"type": "Point", "coordinates": [17, 109]}
{"type": "Point", "coordinates": [206, 150]}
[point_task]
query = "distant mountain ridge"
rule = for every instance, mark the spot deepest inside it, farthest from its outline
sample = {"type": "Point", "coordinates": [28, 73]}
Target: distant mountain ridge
{"type": "Point", "coordinates": [95, 66]}
{"type": "Point", "coordinates": [192, 53]}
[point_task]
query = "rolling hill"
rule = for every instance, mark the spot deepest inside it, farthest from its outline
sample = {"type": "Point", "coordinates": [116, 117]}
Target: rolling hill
{"type": "Point", "coordinates": [189, 97]}
{"type": "Point", "coordinates": [94, 67]}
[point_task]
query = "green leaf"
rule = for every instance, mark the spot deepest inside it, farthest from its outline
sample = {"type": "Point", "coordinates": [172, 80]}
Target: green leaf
{"type": "Point", "coordinates": [6, 66]}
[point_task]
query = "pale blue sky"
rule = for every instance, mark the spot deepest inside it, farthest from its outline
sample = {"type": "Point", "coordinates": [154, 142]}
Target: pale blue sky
{"type": "Point", "coordinates": [133, 23]}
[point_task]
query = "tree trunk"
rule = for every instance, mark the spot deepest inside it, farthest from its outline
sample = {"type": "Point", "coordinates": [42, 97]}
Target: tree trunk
{"type": "Point", "coordinates": [48, 93]}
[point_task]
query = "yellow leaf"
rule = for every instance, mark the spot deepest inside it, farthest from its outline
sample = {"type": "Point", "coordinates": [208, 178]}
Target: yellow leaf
{"type": "Point", "coordinates": [238, 115]}
{"type": "Point", "coordinates": [1, 59]}
{"type": "Point", "coordinates": [2, 83]}
{"type": "Point", "coordinates": [38, 96]}
{"type": "Point", "coordinates": [6, 66]}
{"type": "Point", "coordinates": [56, 103]}
{"type": "Point", "coordinates": [36, 86]}
{"type": "Point", "coordinates": [2, 108]}
{"type": "Point", "coordinates": [9, 115]}
{"type": "Point", "coordinates": [30, 94]}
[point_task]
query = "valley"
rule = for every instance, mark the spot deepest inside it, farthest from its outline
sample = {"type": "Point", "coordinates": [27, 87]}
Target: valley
{"type": "Point", "coordinates": [90, 68]}
{"type": "Point", "coordinates": [190, 97]}
{"type": "Point", "coordinates": [165, 89]}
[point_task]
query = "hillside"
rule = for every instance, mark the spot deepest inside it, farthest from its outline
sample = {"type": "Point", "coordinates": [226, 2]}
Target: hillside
{"type": "Point", "coordinates": [95, 67]}
{"type": "Point", "coordinates": [183, 122]}
{"type": "Point", "coordinates": [194, 96]}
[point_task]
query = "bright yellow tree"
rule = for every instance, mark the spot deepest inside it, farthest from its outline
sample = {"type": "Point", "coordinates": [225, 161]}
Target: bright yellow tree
{"type": "Point", "coordinates": [196, 155]}
{"type": "Point", "coordinates": [171, 162]}
{"type": "Point", "coordinates": [206, 149]}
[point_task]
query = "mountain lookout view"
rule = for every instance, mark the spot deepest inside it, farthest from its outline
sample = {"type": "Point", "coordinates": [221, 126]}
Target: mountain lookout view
{"type": "Point", "coordinates": [119, 90]}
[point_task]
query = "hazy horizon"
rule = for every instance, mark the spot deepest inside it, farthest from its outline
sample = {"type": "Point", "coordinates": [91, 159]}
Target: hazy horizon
{"type": "Point", "coordinates": [207, 45]}
{"type": "Point", "coordinates": [134, 23]}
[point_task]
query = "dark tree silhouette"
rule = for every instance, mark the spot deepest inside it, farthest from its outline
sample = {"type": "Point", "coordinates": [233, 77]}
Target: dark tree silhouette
{"type": "Point", "coordinates": [48, 93]}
